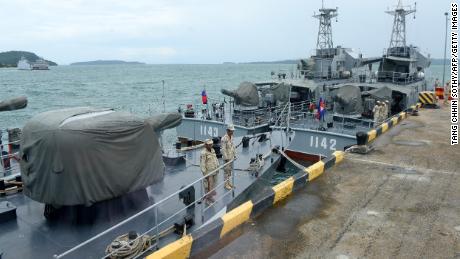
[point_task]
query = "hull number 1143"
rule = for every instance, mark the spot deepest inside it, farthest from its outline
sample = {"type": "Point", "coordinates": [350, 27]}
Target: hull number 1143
{"type": "Point", "coordinates": [208, 131]}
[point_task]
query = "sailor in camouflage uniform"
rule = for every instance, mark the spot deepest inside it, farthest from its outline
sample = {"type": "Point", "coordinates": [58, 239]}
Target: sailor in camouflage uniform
{"type": "Point", "coordinates": [228, 153]}
{"type": "Point", "coordinates": [209, 163]}
{"type": "Point", "coordinates": [376, 113]}
{"type": "Point", "coordinates": [387, 109]}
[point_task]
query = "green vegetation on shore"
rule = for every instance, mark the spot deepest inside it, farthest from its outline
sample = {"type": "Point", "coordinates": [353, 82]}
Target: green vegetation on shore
{"type": "Point", "coordinates": [11, 58]}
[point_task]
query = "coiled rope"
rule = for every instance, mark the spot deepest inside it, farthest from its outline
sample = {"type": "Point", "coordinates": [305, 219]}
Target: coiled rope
{"type": "Point", "coordinates": [124, 247]}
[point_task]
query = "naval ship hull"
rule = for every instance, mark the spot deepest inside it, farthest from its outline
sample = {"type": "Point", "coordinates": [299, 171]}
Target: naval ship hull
{"type": "Point", "coordinates": [342, 135]}
{"type": "Point", "coordinates": [199, 130]}
{"type": "Point", "coordinates": [319, 143]}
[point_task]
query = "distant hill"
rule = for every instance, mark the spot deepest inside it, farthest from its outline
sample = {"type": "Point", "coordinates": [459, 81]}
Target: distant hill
{"type": "Point", "coordinates": [11, 58]}
{"type": "Point", "coordinates": [107, 62]}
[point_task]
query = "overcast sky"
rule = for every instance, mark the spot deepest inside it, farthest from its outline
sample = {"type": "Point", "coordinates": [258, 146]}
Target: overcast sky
{"type": "Point", "coordinates": [205, 31]}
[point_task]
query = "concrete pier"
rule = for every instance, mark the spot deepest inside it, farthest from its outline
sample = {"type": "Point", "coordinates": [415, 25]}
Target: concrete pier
{"type": "Point", "coordinates": [400, 201]}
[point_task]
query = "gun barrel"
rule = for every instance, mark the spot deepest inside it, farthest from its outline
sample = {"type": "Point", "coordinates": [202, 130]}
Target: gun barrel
{"type": "Point", "coordinates": [13, 104]}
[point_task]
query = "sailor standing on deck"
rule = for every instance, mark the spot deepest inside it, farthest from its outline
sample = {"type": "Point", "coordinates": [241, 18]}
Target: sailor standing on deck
{"type": "Point", "coordinates": [382, 112]}
{"type": "Point", "coordinates": [388, 109]}
{"type": "Point", "coordinates": [376, 112]}
{"type": "Point", "coordinates": [228, 153]}
{"type": "Point", "coordinates": [208, 164]}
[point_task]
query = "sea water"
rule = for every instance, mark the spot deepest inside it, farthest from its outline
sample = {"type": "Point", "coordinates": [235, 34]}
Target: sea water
{"type": "Point", "coordinates": [133, 88]}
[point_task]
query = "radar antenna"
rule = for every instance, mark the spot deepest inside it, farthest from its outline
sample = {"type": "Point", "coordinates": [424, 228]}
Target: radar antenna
{"type": "Point", "coordinates": [324, 41]}
{"type": "Point", "coordinates": [398, 35]}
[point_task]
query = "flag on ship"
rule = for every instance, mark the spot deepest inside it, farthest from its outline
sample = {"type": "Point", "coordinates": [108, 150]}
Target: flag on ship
{"type": "Point", "coordinates": [204, 97]}
{"type": "Point", "coordinates": [321, 109]}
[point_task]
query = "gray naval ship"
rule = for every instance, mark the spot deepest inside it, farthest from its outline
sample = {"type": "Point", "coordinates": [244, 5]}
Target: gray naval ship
{"type": "Point", "coordinates": [253, 107]}
{"type": "Point", "coordinates": [398, 80]}
{"type": "Point", "coordinates": [97, 183]}
{"type": "Point", "coordinates": [340, 86]}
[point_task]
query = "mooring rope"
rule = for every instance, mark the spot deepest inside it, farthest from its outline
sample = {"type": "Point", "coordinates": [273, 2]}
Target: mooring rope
{"type": "Point", "coordinates": [124, 247]}
{"type": "Point", "coordinates": [301, 167]}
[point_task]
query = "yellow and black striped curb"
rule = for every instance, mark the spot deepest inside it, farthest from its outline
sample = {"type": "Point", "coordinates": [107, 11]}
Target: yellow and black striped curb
{"type": "Point", "coordinates": [364, 138]}
{"type": "Point", "coordinates": [384, 127]}
{"type": "Point", "coordinates": [427, 97]}
{"type": "Point", "coordinates": [206, 236]}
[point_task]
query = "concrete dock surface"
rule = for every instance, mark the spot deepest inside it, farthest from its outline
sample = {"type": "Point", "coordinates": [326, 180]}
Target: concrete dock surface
{"type": "Point", "coordinates": [400, 201]}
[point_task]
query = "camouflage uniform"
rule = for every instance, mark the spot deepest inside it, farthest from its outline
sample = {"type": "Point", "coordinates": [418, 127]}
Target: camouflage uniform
{"type": "Point", "coordinates": [228, 153]}
{"type": "Point", "coordinates": [376, 112]}
{"type": "Point", "coordinates": [209, 163]}
{"type": "Point", "coordinates": [384, 111]}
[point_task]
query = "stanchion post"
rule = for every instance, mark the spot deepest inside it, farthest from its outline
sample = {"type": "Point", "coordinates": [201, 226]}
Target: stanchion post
{"type": "Point", "coordinates": [157, 238]}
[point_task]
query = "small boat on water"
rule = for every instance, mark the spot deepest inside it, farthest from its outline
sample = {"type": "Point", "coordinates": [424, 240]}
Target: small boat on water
{"type": "Point", "coordinates": [40, 64]}
{"type": "Point", "coordinates": [23, 64]}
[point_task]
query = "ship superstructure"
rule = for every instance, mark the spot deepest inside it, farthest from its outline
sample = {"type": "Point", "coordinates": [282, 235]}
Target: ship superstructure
{"type": "Point", "coordinates": [397, 82]}
{"type": "Point", "coordinates": [330, 82]}
{"type": "Point", "coordinates": [40, 64]}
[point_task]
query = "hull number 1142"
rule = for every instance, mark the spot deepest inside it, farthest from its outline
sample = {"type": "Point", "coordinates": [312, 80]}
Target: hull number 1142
{"type": "Point", "coordinates": [322, 142]}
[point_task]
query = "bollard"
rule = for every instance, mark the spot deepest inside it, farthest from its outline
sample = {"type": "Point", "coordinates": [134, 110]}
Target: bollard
{"type": "Point", "coordinates": [361, 138]}
{"type": "Point", "coordinates": [245, 142]}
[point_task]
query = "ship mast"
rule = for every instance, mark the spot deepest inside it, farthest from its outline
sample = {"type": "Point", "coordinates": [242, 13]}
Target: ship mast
{"type": "Point", "coordinates": [398, 35]}
{"type": "Point", "coordinates": [324, 42]}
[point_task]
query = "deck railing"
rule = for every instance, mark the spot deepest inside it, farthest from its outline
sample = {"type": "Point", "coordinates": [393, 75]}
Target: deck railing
{"type": "Point", "coordinates": [309, 120]}
{"type": "Point", "coordinates": [159, 224]}
{"type": "Point", "coordinates": [246, 118]}
{"type": "Point", "coordinates": [385, 76]}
